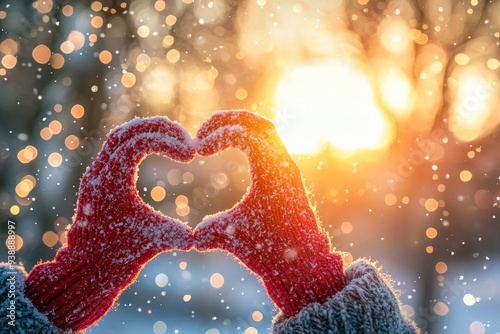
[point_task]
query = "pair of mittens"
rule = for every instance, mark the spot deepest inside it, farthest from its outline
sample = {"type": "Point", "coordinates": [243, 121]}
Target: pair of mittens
{"type": "Point", "coordinates": [273, 230]}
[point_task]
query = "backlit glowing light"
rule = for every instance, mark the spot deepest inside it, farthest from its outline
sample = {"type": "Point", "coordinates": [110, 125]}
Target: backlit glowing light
{"type": "Point", "coordinates": [241, 94]}
{"type": "Point", "coordinates": [97, 22]}
{"type": "Point", "coordinates": [18, 241]}
{"type": "Point", "coordinates": [219, 180]}
{"type": "Point", "coordinates": [441, 267]}
{"type": "Point", "coordinates": [105, 57]}
{"type": "Point", "coordinates": [27, 154]}
{"type": "Point", "coordinates": [173, 56]}
{"type": "Point", "coordinates": [128, 80]}
{"type": "Point", "coordinates": [431, 233]}
{"type": "Point", "coordinates": [170, 20]}
{"type": "Point", "coordinates": [493, 63]}
{"type": "Point", "coordinates": [45, 133]}
{"type": "Point", "coordinates": [9, 61]}
{"type": "Point", "coordinates": [67, 47]}
{"type": "Point", "coordinates": [55, 159]}
{"type": "Point", "coordinates": [182, 205]}
{"type": "Point", "coordinates": [159, 85]}
{"type": "Point", "coordinates": [41, 54]}
{"type": "Point", "coordinates": [257, 316]}
{"type": "Point", "coordinates": [483, 198]}
{"type": "Point", "coordinates": [251, 330]}
{"type": "Point", "coordinates": [461, 59]}
{"type": "Point", "coordinates": [160, 5]}
{"type": "Point", "coordinates": [77, 111]}
{"type": "Point", "coordinates": [187, 177]}
{"type": "Point", "coordinates": [9, 47]}
{"type": "Point", "coordinates": [397, 93]}
{"type": "Point", "coordinates": [329, 102]}
{"type": "Point", "coordinates": [469, 299]}
{"type": "Point", "coordinates": [25, 186]}
{"type": "Point", "coordinates": [50, 239]}
{"type": "Point", "coordinates": [67, 10]}
{"type": "Point", "coordinates": [167, 41]}
{"type": "Point", "coordinates": [96, 6]}
{"type": "Point", "coordinates": [71, 142]}
{"type": "Point", "coordinates": [158, 193]}
{"type": "Point", "coordinates": [22, 189]}
{"type": "Point", "coordinates": [55, 127]}
{"type": "Point", "coordinates": [217, 280]}
{"type": "Point", "coordinates": [431, 204]}
{"type": "Point", "coordinates": [142, 62]}
{"type": "Point", "coordinates": [43, 6]}
{"type": "Point", "coordinates": [174, 176]}
{"type": "Point", "coordinates": [57, 61]}
{"type": "Point", "coordinates": [465, 176]}
{"type": "Point", "coordinates": [186, 298]}
{"type": "Point", "coordinates": [204, 80]}
{"type": "Point", "coordinates": [476, 327]}
{"type": "Point", "coordinates": [408, 310]}
{"type": "Point", "coordinates": [143, 31]}
{"type": "Point", "coordinates": [161, 280]}
{"type": "Point", "coordinates": [77, 39]}
{"type": "Point", "coordinates": [346, 227]}
{"type": "Point", "coordinates": [441, 309]}
{"type": "Point", "coordinates": [390, 199]}
{"type": "Point", "coordinates": [395, 36]}
{"type": "Point", "coordinates": [473, 113]}
{"type": "Point", "coordinates": [14, 210]}
{"type": "Point", "coordinates": [63, 237]}
{"type": "Point", "coordinates": [347, 258]}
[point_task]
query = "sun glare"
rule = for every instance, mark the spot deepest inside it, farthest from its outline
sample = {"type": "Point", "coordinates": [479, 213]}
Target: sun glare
{"type": "Point", "coordinates": [474, 109]}
{"type": "Point", "coordinates": [397, 94]}
{"type": "Point", "coordinates": [329, 102]}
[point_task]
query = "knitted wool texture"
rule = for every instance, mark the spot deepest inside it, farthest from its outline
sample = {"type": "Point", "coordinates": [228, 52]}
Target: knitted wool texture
{"type": "Point", "coordinates": [273, 230]}
{"type": "Point", "coordinates": [366, 305]}
{"type": "Point", "coordinates": [114, 233]}
{"type": "Point", "coordinates": [20, 317]}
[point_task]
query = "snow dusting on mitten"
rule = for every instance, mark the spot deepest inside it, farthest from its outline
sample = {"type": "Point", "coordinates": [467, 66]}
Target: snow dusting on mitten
{"type": "Point", "coordinates": [114, 233]}
{"type": "Point", "coordinates": [273, 230]}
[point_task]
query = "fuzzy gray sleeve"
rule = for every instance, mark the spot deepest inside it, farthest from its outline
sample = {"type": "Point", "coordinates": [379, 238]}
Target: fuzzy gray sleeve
{"type": "Point", "coordinates": [367, 304]}
{"type": "Point", "coordinates": [18, 315]}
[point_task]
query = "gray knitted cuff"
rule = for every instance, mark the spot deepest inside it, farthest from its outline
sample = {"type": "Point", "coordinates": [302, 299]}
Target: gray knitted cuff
{"type": "Point", "coordinates": [367, 304]}
{"type": "Point", "coordinates": [18, 313]}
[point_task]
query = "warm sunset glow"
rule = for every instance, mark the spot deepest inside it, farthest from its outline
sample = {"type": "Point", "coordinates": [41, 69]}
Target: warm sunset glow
{"type": "Point", "coordinates": [395, 36]}
{"type": "Point", "coordinates": [159, 84]}
{"type": "Point", "coordinates": [474, 112]}
{"type": "Point", "coordinates": [396, 93]}
{"type": "Point", "coordinates": [329, 102]}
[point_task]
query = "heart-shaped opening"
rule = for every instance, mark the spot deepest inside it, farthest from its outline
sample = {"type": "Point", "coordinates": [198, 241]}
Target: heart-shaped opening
{"type": "Point", "coordinates": [189, 192]}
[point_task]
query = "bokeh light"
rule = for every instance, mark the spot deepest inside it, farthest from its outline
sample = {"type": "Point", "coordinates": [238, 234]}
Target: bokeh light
{"type": "Point", "coordinates": [331, 102]}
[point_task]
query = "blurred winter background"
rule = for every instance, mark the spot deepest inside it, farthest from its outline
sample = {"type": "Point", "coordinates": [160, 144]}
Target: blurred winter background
{"type": "Point", "coordinates": [391, 109]}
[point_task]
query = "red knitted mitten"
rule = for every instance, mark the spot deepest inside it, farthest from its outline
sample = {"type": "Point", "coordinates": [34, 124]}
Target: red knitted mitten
{"type": "Point", "coordinates": [273, 230]}
{"type": "Point", "coordinates": [114, 233]}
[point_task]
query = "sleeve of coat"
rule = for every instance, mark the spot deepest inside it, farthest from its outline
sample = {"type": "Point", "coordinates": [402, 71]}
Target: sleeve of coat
{"type": "Point", "coordinates": [367, 304]}
{"type": "Point", "coordinates": [18, 313]}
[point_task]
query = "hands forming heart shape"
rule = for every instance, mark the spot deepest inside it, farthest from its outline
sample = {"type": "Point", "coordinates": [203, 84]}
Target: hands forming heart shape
{"type": "Point", "coordinates": [273, 230]}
